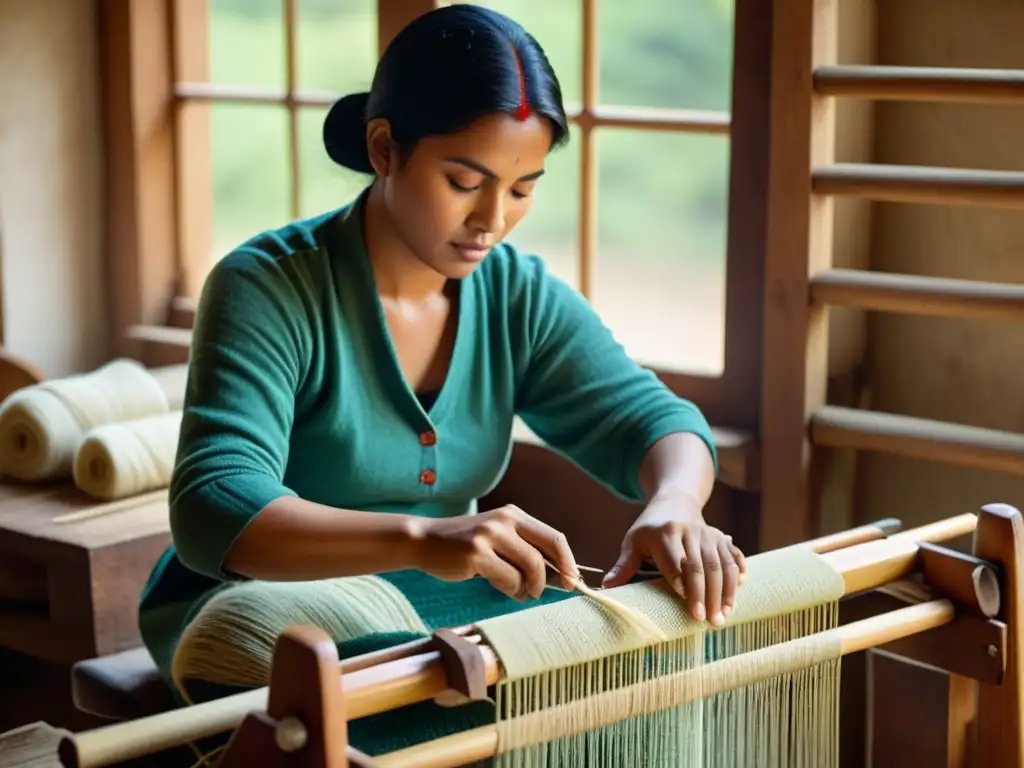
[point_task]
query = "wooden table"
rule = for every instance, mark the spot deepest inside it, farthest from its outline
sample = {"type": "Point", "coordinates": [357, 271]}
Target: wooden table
{"type": "Point", "coordinates": [71, 591]}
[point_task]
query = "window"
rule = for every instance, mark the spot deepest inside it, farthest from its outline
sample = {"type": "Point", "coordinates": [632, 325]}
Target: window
{"type": "Point", "coordinates": [633, 212]}
{"type": "Point", "coordinates": [656, 211]}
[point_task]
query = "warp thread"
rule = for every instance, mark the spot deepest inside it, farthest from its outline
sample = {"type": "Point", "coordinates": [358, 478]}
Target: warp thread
{"type": "Point", "coordinates": [580, 688]}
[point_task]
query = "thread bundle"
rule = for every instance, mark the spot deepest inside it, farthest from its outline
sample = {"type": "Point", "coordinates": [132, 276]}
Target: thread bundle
{"type": "Point", "coordinates": [113, 430]}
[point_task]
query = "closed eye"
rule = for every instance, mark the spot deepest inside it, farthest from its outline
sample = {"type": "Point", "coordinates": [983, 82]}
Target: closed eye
{"type": "Point", "coordinates": [459, 188]}
{"type": "Point", "coordinates": [462, 188]}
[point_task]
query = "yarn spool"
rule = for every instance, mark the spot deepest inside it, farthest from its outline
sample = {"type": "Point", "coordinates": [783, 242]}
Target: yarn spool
{"type": "Point", "coordinates": [231, 639]}
{"type": "Point", "coordinates": [41, 426]}
{"type": "Point", "coordinates": [127, 458]}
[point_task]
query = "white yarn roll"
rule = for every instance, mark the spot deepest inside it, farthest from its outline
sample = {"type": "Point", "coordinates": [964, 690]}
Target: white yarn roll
{"type": "Point", "coordinates": [116, 461]}
{"type": "Point", "coordinates": [41, 426]}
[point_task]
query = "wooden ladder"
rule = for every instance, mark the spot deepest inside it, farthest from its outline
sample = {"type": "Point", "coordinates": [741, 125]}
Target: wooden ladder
{"type": "Point", "coordinates": [801, 285]}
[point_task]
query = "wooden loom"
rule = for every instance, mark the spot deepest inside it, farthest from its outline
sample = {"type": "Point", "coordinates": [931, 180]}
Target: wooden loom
{"type": "Point", "coordinates": [968, 604]}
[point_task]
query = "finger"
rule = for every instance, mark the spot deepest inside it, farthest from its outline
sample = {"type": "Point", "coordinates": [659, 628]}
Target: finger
{"type": "Point", "coordinates": [625, 568]}
{"type": "Point", "coordinates": [521, 555]}
{"type": "Point", "coordinates": [739, 559]}
{"type": "Point", "coordinates": [693, 576]}
{"type": "Point", "coordinates": [503, 576]}
{"type": "Point", "coordinates": [667, 555]}
{"type": "Point", "coordinates": [712, 579]}
{"type": "Point", "coordinates": [552, 544]}
{"type": "Point", "coordinates": [730, 577]}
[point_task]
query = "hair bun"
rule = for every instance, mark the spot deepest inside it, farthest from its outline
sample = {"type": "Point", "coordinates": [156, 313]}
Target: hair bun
{"type": "Point", "coordinates": [345, 133]}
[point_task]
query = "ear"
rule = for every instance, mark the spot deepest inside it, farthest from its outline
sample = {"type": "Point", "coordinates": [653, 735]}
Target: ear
{"type": "Point", "coordinates": [380, 146]}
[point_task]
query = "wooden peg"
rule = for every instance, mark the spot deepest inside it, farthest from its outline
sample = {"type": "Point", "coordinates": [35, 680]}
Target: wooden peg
{"type": "Point", "coordinates": [464, 664]}
{"type": "Point", "coordinates": [970, 582]}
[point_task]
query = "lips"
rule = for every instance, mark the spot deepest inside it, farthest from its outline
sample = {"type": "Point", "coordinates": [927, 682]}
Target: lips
{"type": "Point", "coordinates": [472, 251]}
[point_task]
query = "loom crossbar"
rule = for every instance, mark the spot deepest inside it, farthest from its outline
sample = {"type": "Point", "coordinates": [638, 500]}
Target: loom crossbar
{"type": "Point", "coordinates": [399, 677]}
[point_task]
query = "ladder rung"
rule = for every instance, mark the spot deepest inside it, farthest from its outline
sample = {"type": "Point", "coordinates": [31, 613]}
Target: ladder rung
{"type": "Point", "coordinates": [161, 345]}
{"type": "Point", "coordinates": [162, 334]}
{"type": "Point", "coordinates": [914, 438]}
{"type": "Point", "coordinates": [918, 295]}
{"type": "Point", "coordinates": [921, 184]}
{"type": "Point", "coordinates": [935, 84]}
{"type": "Point", "coordinates": [183, 312]}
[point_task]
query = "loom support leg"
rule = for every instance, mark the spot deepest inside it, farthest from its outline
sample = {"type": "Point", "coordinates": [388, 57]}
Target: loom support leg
{"type": "Point", "coordinates": [305, 724]}
{"type": "Point", "coordinates": [999, 724]}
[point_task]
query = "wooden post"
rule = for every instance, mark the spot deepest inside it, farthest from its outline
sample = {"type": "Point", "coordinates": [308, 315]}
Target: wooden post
{"type": "Point", "coordinates": [795, 354]}
{"type": "Point", "coordinates": [999, 725]}
{"type": "Point", "coordinates": [305, 723]}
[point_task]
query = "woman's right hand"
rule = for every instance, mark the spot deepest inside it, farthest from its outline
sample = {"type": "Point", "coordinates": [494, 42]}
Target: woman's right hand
{"type": "Point", "coordinates": [505, 546]}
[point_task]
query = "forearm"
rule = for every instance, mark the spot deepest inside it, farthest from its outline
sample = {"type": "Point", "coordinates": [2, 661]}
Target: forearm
{"type": "Point", "coordinates": [297, 540]}
{"type": "Point", "coordinates": [678, 463]}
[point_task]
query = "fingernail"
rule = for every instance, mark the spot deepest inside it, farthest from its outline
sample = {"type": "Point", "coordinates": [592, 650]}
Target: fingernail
{"type": "Point", "coordinates": [727, 610]}
{"type": "Point", "coordinates": [700, 612]}
{"type": "Point", "coordinates": [718, 619]}
{"type": "Point", "coordinates": [677, 584]}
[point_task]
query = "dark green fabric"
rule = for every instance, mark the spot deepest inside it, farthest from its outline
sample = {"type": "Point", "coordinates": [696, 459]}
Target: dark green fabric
{"type": "Point", "coordinates": [440, 604]}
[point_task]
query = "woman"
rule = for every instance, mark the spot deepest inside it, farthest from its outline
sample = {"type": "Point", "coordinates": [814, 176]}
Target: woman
{"type": "Point", "coordinates": [371, 360]}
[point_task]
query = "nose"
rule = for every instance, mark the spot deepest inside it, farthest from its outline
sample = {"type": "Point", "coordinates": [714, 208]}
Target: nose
{"type": "Point", "coordinates": [489, 214]}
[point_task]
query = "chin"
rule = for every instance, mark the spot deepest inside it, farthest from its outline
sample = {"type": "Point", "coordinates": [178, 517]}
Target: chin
{"type": "Point", "coordinates": [456, 270]}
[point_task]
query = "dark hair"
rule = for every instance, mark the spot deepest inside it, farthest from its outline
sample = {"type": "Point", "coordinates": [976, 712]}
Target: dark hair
{"type": "Point", "coordinates": [443, 71]}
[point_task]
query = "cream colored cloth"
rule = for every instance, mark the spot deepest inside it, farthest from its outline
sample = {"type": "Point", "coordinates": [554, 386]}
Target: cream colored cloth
{"type": "Point", "coordinates": [578, 682]}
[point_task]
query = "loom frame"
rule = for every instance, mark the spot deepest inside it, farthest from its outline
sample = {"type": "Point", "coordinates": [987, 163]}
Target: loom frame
{"type": "Point", "coordinates": [964, 603]}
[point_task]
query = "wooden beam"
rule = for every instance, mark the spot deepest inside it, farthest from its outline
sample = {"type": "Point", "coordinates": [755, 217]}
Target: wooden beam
{"type": "Point", "coordinates": [795, 361]}
{"type": "Point", "coordinates": [137, 98]}
{"type": "Point", "coordinates": [193, 145]}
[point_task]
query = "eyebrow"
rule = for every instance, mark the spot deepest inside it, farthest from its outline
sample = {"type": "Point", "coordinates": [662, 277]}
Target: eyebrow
{"type": "Point", "coordinates": [487, 171]}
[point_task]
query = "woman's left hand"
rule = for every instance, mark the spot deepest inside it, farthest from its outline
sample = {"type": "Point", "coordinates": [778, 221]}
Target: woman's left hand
{"type": "Point", "coordinates": [700, 562]}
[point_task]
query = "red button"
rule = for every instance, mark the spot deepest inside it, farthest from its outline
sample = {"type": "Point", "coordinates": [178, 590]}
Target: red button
{"type": "Point", "coordinates": [428, 477]}
{"type": "Point", "coordinates": [428, 438]}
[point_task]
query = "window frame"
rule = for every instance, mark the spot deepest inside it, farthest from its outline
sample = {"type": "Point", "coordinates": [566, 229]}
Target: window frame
{"type": "Point", "coordinates": [157, 153]}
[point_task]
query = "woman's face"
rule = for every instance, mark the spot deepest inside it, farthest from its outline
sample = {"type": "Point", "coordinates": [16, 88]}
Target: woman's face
{"type": "Point", "coordinates": [456, 196]}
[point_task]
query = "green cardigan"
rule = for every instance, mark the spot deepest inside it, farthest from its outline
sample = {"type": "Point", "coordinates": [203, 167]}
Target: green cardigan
{"type": "Point", "coordinates": [295, 388]}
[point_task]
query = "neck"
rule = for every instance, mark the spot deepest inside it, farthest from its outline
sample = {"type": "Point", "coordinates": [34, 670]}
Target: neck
{"type": "Point", "coordinates": [399, 274]}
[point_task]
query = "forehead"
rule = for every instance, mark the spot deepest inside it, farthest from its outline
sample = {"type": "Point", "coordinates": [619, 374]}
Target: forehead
{"type": "Point", "coordinates": [499, 141]}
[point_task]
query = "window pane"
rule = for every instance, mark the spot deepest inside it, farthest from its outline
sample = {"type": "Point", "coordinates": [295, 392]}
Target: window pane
{"type": "Point", "coordinates": [325, 186]}
{"type": "Point", "coordinates": [662, 218]}
{"type": "Point", "coordinates": [337, 44]}
{"type": "Point", "coordinates": [251, 177]}
{"type": "Point", "coordinates": [247, 42]}
{"type": "Point", "coordinates": [666, 53]}
{"type": "Point", "coordinates": [558, 27]}
{"type": "Point", "coordinates": [551, 228]}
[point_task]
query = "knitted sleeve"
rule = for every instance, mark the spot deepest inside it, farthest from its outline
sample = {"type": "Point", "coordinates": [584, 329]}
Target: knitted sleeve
{"type": "Point", "coordinates": [248, 344]}
{"type": "Point", "coordinates": [579, 390]}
